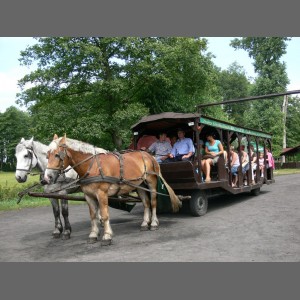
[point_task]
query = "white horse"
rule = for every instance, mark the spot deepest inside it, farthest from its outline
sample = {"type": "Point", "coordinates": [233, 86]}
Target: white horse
{"type": "Point", "coordinates": [31, 154]}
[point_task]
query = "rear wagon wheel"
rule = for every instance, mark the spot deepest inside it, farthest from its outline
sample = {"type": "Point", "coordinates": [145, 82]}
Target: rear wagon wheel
{"type": "Point", "coordinates": [255, 192]}
{"type": "Point", "coordinates": [198, 203]}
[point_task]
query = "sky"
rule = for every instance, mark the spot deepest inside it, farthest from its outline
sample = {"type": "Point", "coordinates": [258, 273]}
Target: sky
{"type": "Point", "coordinates": [11, 71]}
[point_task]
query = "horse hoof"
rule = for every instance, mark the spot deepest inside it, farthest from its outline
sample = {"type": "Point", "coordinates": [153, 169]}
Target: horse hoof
{"type": "Point", "coordinates": [56, 235]}
{"type": "Point", "coordinates": [152, 228]}
{"type": "Point", "coordinates": [106, 242]}
{"type": "Point", "coordinates": [144, 228]}
{"type": "Point", "coordinates": [66, 236]}
{"type": "Point", "coordinates": [92, 240]}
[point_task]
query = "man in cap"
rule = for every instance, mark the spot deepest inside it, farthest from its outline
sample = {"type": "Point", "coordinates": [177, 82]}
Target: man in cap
{"type": "Point", "coordinates": [183, 149]}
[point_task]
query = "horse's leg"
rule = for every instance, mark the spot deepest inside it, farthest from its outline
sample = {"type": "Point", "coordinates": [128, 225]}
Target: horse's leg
{"type": "Point", "coordinates": [56, 212]}
{"type": "Point", "coordinates": [103, 202]}
{"type": "Point", "coordinates": [65, 212]}
{"type": "Point", "coordinates": [94, 212]}
{"type": "Point", "coordinates": [99, 214]}
{"type": "Point", "coordinates": [154, 221]}
{"type": "Point", "coordinates": [147, 213]}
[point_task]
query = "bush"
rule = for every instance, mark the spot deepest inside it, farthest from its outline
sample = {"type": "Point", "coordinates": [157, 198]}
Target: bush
{"type": "Point", "coordinates": [8, 193]}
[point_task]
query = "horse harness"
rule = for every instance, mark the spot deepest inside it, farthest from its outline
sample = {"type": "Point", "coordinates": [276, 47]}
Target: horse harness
{"type": "Point", "coordinates": [101, 177]}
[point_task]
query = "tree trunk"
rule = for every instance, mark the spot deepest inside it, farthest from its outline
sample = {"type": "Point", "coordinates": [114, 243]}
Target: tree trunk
{"type": "Point", "coordinates": [284, 110]}
{"type": "Point", "coordinates": [117, 141]}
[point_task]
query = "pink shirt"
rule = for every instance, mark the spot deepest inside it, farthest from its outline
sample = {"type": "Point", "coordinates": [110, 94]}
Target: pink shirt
{"type": "Point", "coordinates": [271, 160]}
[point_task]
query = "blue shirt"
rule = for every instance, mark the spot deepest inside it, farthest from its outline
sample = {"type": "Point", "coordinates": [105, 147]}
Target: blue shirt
{"type": "Point", "coordinates": [183, 146]}
{"type": "Point", "coordinates": [214, 147]}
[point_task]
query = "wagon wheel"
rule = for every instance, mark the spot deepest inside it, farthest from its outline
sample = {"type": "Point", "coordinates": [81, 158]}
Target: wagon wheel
{"type": "Point", "coordinates": [255, 192]}
{"type": "Point", "coordinates": [198, 203]}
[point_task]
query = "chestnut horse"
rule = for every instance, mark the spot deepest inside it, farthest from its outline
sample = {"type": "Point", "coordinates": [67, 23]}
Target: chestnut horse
{"type": "Point", "coordinates": [109, 174]}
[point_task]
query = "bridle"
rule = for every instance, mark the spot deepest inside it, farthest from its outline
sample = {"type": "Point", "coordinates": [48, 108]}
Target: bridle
{"type": "Point", "coordinates": [61, 168]}
{"type": "Point", "coordinates": [31, 153]}
{"type": "Point", "coordinates": [61, 155]}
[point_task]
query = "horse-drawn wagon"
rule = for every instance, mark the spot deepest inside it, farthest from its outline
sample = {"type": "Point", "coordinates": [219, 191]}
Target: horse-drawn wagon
{"type": "Point", "coordinates": [186, 177]}
{"type": "Point", "coordinates": [120, 179]}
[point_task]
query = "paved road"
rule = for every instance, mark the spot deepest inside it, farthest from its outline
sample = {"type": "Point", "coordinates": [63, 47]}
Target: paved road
{"type": "Point", "coordinates": [239, 228]}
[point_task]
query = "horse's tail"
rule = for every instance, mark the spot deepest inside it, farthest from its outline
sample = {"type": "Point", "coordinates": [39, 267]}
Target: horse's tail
{"type": "Point", "coordinates": [176, 203]}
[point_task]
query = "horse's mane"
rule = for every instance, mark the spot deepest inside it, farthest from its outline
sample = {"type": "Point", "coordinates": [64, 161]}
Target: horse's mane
{"type": "Point", "coordinates": [77, 146]}
{"type": "Point", "coordinates": [38, 146]}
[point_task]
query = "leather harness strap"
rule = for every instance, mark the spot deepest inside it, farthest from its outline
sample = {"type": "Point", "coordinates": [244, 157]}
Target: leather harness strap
{"type": "Point", "coordinates": [114, 180]}
{"type": "Point", "coordinates": [86, 179]}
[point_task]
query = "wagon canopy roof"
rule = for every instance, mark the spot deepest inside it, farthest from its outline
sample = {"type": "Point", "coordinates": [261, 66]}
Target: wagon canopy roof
{"type": "Point", "coordinates": [169, 120]}
{"type": "Point", "coordinates": [166, 115]}
{"type": "Point", "coordinates": [166, 120]}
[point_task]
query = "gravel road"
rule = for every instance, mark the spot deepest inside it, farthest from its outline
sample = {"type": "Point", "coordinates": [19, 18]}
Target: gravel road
{"type": "Point", "coordinates": [236, 228]}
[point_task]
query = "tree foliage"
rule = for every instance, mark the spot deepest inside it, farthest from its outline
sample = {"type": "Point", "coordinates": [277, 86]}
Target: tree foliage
{"type": "Point", "coordinates": [14, 124]}
{"type": "Point", "coordinates": [233, 84]}
{"type": "Point", "coordinates": [293, 122]}
{"type": "Point", "coordinates": [96, 88]}
{"type": "Point", "coordinates": [272, 78]}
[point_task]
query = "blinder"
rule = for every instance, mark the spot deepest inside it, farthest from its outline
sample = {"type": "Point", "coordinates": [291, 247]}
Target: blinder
{"type": "Point", "coordinates": [61, 155]}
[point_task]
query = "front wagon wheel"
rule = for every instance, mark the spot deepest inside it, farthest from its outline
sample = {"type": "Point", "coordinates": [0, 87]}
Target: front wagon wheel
{"type": "Point", "coordinates": [198, 203]}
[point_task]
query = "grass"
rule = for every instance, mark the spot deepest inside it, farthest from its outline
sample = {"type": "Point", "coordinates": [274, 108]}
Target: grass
{"type": "Point", "coordinates": [279, 172]}
{"type": "Point", "coordinates": [9, 189]}
{"type": "Point", "coordinates": [7, 179]}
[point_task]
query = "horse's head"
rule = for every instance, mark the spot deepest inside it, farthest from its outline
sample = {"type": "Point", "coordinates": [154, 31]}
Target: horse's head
{"type": "Point", "coordinates": [58, 159]}
{"type": "Point", "coordinates": [26, 159]}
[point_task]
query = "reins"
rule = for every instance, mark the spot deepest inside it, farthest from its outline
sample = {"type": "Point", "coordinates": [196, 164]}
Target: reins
{"type": "Point", "coordinates": [26, 191]}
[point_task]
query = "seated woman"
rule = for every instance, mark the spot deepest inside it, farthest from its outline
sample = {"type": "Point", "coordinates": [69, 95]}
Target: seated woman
{"type": "Point", "coordinates": [214, 149]}
{"type": "Point", "coordinates": [245, 162]}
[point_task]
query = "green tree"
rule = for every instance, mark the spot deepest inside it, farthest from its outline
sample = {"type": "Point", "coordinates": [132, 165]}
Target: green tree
{"type": "Point", "coordinates": [96, 88]}
{"type": "Point", "coordinates": [14, 124]}
{"type": "Point", "coordinates": [293, 122]}
{"type": "Point", "coordinates": [233, 84]}
{"type": "Point", "coordinates": [272, 78]}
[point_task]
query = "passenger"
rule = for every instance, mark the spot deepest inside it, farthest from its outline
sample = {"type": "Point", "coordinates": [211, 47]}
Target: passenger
{"type": "Point", "coordinates": [214, 148]}
{"type": "Point", "coordinates": [253, 160]}
{"type": "Point", "coordinates": [161, 148]}
{"type": "Point", "coordinates": [245, 162]}
{"type": "Point", "coordinates": [183, 149]}
{"type": "Point", "coordinates": [261, 162]}
{"type": "Point", "coordinates": [234, 164]}
{"type": "Point", "coordinates": [173, 140]}
{"type": "Point", "coordinates": [201, 144]}
{"type": "Point", "coordinates": [270, 160]}
{"type": "Point", "coordinates": [202, 151]}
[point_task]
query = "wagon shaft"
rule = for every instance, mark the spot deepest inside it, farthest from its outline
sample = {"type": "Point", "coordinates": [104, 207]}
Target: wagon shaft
{"type": "Point", "coordinates": [81, 198]}
{"type": "Point", "coordinates": [56, 196]}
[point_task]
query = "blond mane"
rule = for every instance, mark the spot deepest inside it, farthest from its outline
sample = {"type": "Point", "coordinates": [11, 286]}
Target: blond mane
{"type": "Point", "coordinates": [77, 146]}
